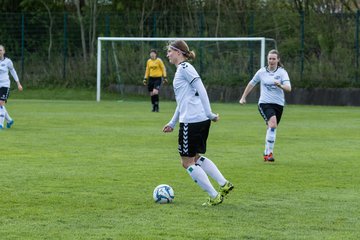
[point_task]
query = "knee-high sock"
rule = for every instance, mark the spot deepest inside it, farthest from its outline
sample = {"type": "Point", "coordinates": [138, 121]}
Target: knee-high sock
{"type": "Point", "coordinates": [156, 100]}
{"type": "Point", "coordinates": [270, 140]}
{"type": "Point", "coordinates": [2, 115]}
{"type": "Point", "coordinates": [200, 177]}
{"type": "Point", "coordinates": [152, 99]}
{"type": "Point", "coordinates": [7, 116]}
{"type": "Point", "coordinates": [211, 169]}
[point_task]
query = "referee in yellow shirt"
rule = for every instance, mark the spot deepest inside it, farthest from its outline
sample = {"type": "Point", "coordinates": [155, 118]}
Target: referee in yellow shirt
{"type": "Point", "coordinates": [154, 74]}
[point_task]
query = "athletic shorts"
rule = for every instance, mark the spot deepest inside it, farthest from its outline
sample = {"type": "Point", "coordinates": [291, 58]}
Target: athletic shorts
{"type": "Point", "coordinates": [154, 83]}
{"type": "Point", "coordinates": [267, 110]}
{"type": "Point", "coordinates": [193, 137]}
{"type": "Point", "coordinates": [4, 93]}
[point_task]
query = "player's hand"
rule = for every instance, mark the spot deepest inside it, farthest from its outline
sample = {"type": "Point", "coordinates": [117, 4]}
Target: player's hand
{"type": "Point", "coordinates": [242, 101]}
{"type": "Point", "coordinates": [20, 88]}
{"type": "Point", "coordinates": [145, 81]}
{"type": "Point", "coordinates": [167, 129]}
{"type": "Point", "coordinates": [278, 84]}
{"type": "Point", "coordinates": [216, 119]}
{"type": "Point", "coordinates": [165, 81]}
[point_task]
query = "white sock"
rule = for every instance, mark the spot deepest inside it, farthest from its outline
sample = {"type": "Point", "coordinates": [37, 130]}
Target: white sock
{"type": "Point", "coordinates": [270, 140]}
{"type": "Point", "coordinates": [2, 116]}
{"type": "Point", "coordinates": [211, 169]}
{"type": "Point", "coordinates": [7, 116]}
{"type": "Point", "coordinates": [200, 177]}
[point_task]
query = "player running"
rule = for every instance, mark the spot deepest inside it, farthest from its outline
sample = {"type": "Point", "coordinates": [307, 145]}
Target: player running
{"type": "Point", "coordinates": [274, 80]}
{"type": "Point", "coordinates": [155, 72]}
{"type": "Point", "coordinates": [6, 65]}
{"type": "Point", "coordinates": [194, 113]}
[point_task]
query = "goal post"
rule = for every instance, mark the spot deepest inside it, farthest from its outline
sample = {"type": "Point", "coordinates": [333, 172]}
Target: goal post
{"type": "Point", "coordinates": [262, 41]}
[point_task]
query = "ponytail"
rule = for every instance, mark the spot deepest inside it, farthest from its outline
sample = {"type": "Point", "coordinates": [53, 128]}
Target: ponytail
{"type": "Point", "coordinates": [190, 55]}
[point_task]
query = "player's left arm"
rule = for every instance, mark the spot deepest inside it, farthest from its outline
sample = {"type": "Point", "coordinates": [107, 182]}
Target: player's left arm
{"type": "Point", "coordinates": [15, 76]}
{"type": "Point", "coordinates": [163, 70]}
{"type": "Point", "coordinates": [200, 88]}
{"type": "Point", "coordinates": [284, 84]}
{"type": "Point", "coordinates": [171, 125]}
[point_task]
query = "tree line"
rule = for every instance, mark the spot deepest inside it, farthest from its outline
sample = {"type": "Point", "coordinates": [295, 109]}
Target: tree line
{"type": "Point", "coordinates": [318, 39]}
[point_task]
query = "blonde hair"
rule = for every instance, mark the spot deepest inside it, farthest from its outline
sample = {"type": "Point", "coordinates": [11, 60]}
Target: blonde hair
{"type": "Point", "coordinates": [276, 52]}
{"type": "Point", "coordinates": [181, 46]}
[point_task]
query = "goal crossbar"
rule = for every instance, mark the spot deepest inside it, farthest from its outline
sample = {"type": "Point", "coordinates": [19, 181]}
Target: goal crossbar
{"type": "Point", "coordinates": [262, 40]}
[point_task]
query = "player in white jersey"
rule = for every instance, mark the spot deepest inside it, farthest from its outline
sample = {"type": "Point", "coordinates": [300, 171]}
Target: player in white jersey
{"type": "Point", "coordinates": [274, 80]}
{"type": "Point", "coordinates": [6, 66]}
{"type": "Point", "coordinates": [194, 113]}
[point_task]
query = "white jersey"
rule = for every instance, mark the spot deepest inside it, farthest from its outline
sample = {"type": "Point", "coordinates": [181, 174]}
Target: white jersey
{"type": "Point", "coordinates": [6, 65]}
{"type": "Point", "coordinates": [269, 92]}
{"type": "Point", "coordinates": [192, 100]}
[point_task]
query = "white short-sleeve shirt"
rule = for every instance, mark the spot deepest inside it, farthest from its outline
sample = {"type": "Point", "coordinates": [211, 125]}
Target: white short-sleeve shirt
{"type": "Point", "coordinates": [189, 104]}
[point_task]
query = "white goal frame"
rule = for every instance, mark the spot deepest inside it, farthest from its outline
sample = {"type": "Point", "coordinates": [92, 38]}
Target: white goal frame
{"type": "Point", "coordinates": [262, 40]}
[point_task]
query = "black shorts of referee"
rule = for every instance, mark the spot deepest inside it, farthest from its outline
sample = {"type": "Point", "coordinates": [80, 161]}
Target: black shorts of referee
{"type": "Point", "coordinates": [154, 83]}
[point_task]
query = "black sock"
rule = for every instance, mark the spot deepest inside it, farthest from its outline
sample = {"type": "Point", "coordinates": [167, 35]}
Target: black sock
{"type": "Point", "coordinates": [153, 99]}
{"type": "Point", "coordinates": [156, 102]}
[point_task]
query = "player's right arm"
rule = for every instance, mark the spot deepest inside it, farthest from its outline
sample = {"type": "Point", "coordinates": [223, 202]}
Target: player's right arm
{"type": "Point", "coordinates": [14, 74]}
{"type": "Point", "coordinates": [255, 80]}
{"type": "Point", "coordinates": [147, 72]}
{"type": "Point", "coordinates": [163, 70]}
{"type": "Point", "coordinates": [171, 125]}
{"type": "Point", "coordinates": [246, 92]}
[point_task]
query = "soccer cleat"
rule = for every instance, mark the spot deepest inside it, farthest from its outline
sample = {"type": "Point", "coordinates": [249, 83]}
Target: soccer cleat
{"type": "Point", "coordinates": [9, 124]}
{"type": "Point", "coordinates": [214, 201]}
{"type": "Point", "coordinates": [225, 190]}
{"type": "Point", "coordinates": [269, 158]}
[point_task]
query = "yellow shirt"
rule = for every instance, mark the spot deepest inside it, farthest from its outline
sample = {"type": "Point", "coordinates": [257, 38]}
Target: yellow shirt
{"type": "Point", "coordinates": [155, 68]}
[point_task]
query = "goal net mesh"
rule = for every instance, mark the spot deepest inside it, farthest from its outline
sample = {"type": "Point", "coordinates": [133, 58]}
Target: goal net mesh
{"type": "Point", "coordinates": [219, 63]}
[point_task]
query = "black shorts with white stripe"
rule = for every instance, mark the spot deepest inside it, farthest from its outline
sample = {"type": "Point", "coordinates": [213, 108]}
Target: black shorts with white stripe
{"type": "Point", "coordinates": [4, 93]}
{"type": "Point", "coordinates": [267, 110]}
{"type": "Point", "coordinates": [193, 137]}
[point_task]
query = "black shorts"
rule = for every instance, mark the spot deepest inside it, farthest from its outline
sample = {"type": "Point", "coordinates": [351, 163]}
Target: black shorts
{"type": "Point", "coordinates": [154, 83]}
{"type": "Point", "coordinates": [4, 93]}
{"type": "Point", "coordinates": [193, 137]}
{"type": "Point", "coordinates": [267, 110]}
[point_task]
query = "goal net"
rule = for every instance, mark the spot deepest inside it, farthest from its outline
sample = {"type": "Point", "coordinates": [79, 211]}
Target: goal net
{"type": "Point", "coordinates": [220, 61]}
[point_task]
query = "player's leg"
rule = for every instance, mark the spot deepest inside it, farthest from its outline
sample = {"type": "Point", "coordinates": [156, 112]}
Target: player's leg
{"type": "Point", "coordinates": [271, 138]}
{"type": "Point", "coordinates": [150, 89]}
{"type": "Point", "coordinates": [271, 131]}
{"type": "Point", "coordinates": [268, 112]}
{"type": "Point", "coordinates": [212, 170]}
{"type": "Point", "coordinates": [4, 93]}
{"type": "Point", "coordinates": [198, 175]}
{"type": "Point", "coordinates": [155, 92]}
{"type": "Point", "coordinates": [2, 114]}
{"type": "Point", "coordinates": [205, 163]}
{"type": "Point", "coordinates": [187, 150]}
{"type": "Point", "coordinates": [9, 120]}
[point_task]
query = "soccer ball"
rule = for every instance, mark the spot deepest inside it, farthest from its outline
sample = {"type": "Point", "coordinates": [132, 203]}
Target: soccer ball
{"type": "Point", "coordinates": [163, 194]}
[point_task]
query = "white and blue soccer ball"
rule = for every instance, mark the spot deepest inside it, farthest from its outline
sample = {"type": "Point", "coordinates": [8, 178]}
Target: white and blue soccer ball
{"type": "Point", "coordinates": [163, 194]}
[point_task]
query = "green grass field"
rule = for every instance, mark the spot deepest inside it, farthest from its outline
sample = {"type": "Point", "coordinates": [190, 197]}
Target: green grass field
{"type": "Point", "coordinates": [86, 170]}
